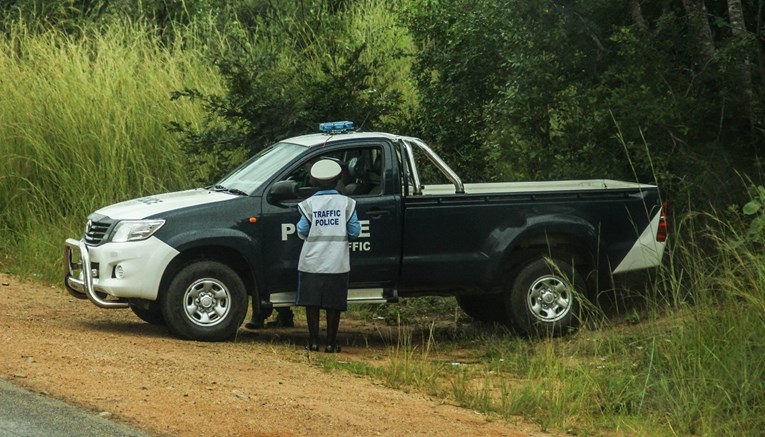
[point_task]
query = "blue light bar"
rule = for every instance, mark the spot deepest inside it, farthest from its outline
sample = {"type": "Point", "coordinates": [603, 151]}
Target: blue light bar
{"type": "Point", "coordinates": [336, 126]}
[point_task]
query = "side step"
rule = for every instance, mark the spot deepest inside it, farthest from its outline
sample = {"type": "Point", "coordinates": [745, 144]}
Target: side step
{"type": "Point", "coordinates": [355, 295]}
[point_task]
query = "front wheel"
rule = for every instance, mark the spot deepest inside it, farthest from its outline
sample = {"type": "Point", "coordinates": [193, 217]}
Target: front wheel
{"type": "Point", "coordinates": [544, 297]}
{"type": "Point", "coordinates": [206, 301]}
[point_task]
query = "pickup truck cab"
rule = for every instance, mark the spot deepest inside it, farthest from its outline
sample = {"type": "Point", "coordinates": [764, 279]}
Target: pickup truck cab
{"type": "Point", "coordinates": [521, 252]}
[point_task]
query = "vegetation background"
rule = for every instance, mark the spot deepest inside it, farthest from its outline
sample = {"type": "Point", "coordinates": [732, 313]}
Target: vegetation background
{"type": "Point", "coordinates": [106, 100]}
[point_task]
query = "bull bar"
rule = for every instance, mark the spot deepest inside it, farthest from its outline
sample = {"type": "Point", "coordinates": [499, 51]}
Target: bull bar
{"type": "Point", "coordinates": [83, 287]}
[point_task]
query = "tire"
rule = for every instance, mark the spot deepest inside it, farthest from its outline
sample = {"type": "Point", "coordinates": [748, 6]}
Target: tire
{"type": "Point", "coordinates": [206, 301]}
{"type": "Point", "coordinates": [483, 308]}
{"type": "Point", "coordinates": [544, 298]}
{"type": "Point", "coordinates": [148, 311]}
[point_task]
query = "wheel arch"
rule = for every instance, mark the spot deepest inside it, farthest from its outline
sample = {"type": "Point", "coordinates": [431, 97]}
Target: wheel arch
{"type": "Point", "coordinates": [577, 248]}
{"type": "Point", "coordinates": [227, 255]}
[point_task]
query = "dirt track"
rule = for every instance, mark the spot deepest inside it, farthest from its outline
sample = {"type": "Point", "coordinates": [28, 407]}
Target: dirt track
{"type": "Point", "coordinates": [262, 384]}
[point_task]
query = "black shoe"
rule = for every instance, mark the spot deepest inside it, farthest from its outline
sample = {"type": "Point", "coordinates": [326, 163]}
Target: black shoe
{"type": "Point", "coordinates": [332, 349]}
{"type": "Point", "coordinates": [313, 347]}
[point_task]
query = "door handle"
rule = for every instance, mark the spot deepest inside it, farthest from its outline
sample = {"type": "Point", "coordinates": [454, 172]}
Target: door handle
{"type": "Point", "coordinates": [376, 213]}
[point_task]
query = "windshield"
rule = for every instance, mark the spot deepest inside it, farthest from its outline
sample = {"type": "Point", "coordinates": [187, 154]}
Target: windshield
{"type": "Point", "coordinates": [258, 169]}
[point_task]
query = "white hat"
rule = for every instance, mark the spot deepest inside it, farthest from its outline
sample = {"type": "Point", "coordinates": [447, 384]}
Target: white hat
{"type": "Point", "coordinates": [325, 170]}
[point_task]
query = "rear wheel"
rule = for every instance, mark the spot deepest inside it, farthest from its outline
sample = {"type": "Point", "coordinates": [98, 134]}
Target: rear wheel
{"type": "Point", "coordinates": [206, 301]}
{"type": "Point", "coordinates": [544, 298]}
{"type": "Point", "coordinates": [483, 308]}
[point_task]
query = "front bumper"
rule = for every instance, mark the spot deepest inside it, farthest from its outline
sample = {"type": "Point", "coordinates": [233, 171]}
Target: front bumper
{"type": "Point", "coordinates": [110, 274]}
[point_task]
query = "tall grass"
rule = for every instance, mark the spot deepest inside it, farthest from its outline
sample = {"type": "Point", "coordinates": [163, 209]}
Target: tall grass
{"type": "Point", "coordinates": [84, 123]}
{"type": "Point", "coordinates": [710, 369]}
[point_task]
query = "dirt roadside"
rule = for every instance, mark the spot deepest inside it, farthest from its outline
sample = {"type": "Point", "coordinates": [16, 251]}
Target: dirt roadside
{"type": "Point", "coordinates": [262, 384]}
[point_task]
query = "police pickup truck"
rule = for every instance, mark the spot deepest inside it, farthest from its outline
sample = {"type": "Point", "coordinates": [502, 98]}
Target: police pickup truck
{"type": "Point", "coordinates": [520, 252]}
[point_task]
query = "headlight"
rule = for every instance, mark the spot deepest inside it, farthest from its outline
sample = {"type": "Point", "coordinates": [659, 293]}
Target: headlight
{"type": "Point", "coordinates": [135, 230]}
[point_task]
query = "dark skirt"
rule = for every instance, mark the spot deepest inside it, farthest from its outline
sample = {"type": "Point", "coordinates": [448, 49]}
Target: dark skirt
{"type": "Point", "coordinates": [324, 290]}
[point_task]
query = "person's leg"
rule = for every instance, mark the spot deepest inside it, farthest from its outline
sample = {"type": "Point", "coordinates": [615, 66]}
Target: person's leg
{"type": "Point", "coordinates": [312, 317]}
{"type": "Point", "coordinates": [333, 324]}
{"type": "Point", "coordinates": [284, 318]}
{"type": "Point", "coordinates": [258, 317]}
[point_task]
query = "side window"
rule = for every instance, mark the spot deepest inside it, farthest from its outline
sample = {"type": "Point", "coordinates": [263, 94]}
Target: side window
{"type": "Point", "coordinates": [364, 175]}
{"type": "Point", "coordinates": [362, 172]}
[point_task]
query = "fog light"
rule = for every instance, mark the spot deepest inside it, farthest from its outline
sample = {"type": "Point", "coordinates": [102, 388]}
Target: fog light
{"type": "Point", "coordinates": [94, 273]}
{"type": "Point", "coordinates": [119, 272]}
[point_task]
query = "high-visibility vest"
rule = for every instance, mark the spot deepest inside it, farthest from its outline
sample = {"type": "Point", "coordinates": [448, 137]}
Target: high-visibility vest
{"type": "Point", "coordinates": [325, 249]}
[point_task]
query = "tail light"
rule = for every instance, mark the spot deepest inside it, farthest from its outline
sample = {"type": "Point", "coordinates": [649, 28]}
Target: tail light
{"type": "Point", "coordinates": [661, 232]}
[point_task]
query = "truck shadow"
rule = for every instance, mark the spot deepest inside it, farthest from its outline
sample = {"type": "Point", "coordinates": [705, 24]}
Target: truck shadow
{"type": "Point", "coordinates": [354, 333]}
{"type": "Point", "coordinates": [369, 336]}
{"type": "Point", "coordinates": [126, 328]}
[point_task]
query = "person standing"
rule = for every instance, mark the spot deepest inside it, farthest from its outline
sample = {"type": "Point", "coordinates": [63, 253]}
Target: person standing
{"type": "Point", "coordinates": [327, 221]}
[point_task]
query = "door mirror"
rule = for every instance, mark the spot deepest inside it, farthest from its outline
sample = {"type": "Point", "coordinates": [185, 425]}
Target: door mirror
{"type": "Point", "coordinates": [283, 190]}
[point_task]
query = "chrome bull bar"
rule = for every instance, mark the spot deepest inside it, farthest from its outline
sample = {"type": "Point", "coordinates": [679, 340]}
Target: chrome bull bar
{"type": "Point", "coordinates": [82, 286]}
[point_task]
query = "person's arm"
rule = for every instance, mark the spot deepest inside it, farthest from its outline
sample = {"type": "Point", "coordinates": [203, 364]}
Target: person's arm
{"type": "Point", "coordinates": [303, 225]}
{"type": "Point", "coordinates": [353, 227]}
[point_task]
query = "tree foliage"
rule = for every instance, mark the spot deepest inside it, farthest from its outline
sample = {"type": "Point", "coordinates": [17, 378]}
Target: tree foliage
{"type": "Point", "coordinates": [570, 89]}
{"type": "Point", "coordinates": [511, 89]}
{"type": "Point", "coordinates": [300, 64]}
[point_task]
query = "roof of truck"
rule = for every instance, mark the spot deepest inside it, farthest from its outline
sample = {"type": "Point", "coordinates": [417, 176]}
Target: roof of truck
{"type": "Point", "coordinates": [318, 139]}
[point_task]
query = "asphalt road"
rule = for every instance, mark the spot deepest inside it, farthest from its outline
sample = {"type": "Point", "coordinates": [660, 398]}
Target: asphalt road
{"type": "Point", "coordinates": [27, 414]}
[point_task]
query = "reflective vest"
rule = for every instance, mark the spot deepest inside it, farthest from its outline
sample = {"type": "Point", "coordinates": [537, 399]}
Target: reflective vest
{"type": "Point", "coordinates": [325, 249]}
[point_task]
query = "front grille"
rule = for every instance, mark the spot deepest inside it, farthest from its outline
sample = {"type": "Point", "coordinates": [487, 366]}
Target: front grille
{"type": "Point", "coordinates": [95, 232]}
